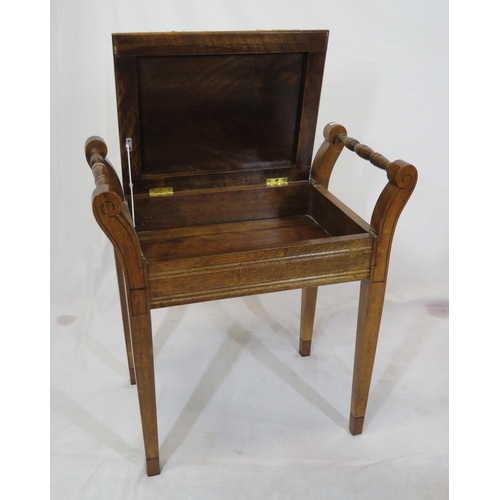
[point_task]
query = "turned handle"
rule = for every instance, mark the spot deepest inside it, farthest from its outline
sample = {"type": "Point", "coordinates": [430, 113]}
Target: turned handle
{"type": "Point", "coordinates": [363, 151]}
{"type": "Point", "coordinates": [104, 173]}
{"type": "Point", "coordinates": [399, 172]}
{"type": "Point", "coordinates": [95, 152]}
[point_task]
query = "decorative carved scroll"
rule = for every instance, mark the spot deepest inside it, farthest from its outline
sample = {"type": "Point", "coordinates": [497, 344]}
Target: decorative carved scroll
{"type": "Point", "coordinates": [113, 216]}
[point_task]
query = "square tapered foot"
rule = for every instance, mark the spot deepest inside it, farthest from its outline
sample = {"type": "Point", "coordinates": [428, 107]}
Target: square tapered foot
{"type": "Point", "coordinates": [132, 376]}
{"type": "Point", "coordinates": [356, 425]}
{"type": "Point", "coordinates": [304, 347]}
{"type": "Point", "coordinates": [153, 466]}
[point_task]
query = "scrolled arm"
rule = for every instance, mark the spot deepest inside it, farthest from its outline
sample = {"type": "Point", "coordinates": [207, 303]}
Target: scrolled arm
{"type": "Point", "coordinates": [112, 214]}
{"type": "Point", "coordinates": [402, 180]}
{"type": "Point", "coordinates": [327, 155]}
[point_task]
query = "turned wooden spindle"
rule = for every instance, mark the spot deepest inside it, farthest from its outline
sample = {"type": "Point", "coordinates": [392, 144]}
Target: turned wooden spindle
{"type": "Point", "coordinates": [398, 172]}
{"type": "Point", "coordinates": [104, 173]}
{"type": "Point", "coordinates": [363, 151]}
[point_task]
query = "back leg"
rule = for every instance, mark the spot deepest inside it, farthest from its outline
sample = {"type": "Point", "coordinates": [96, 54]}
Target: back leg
{"type": "Point", "coordinates": [125, 319]}
{"type": "Point", "coordinates": [308, 308]}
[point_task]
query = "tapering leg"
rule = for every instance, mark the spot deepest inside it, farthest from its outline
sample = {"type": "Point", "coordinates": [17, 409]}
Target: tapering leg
{"type": "Point", "coordinates": [371, 302]}
{"type": "Point", "coordinates": [125, 316]}
{"type": "Point", "coordinates": [308, 308]}
{"type": "Point", "coordinates": [142, 343]}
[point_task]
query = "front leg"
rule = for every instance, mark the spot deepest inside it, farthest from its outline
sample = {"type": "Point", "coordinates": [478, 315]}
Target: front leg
{"type": "Point", "coordinates": [371, 303]}
{"type": "Point", "coordinates": [142, 345]}
{"type": "Point", "coordinates": [387, 210]}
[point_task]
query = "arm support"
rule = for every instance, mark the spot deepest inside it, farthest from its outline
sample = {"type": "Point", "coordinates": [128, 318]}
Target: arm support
{"type": "Point", "coordinates": [112, 214]}
{"type": "Point", "coordinates": [402, 180]}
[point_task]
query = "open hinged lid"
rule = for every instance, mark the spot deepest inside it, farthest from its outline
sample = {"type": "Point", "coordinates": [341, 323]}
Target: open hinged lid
{"type": "Point", "coordinates": [216, 109]}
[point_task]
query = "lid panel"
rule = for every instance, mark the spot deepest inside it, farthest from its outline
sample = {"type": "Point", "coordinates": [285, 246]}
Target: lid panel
{"type": "Point", "coordinates": [218, 112]}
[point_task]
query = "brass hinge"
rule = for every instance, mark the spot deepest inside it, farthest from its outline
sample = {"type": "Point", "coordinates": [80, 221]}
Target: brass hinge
{"type": "Point", "coordinates": [165, 191]}
{"type": "Point", "coordinates": [277, 181]}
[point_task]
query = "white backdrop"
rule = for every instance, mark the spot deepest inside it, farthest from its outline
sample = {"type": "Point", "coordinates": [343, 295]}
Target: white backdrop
{"type": "Point", "coordinates": [386, 81]}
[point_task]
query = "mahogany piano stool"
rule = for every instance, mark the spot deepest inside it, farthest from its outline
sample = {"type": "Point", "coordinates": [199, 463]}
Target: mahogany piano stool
{"type": "Point", "coordinates": [221, 197]}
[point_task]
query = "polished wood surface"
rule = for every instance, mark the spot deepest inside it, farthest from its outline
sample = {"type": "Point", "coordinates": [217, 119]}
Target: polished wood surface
{"type": "Point", "coordinates": [258, 89]}
{"type": "Point", "coordinates": [213, 116]}
{"type": "Point", "coordinates": [307, 263]}
{"type": "Point", "coordinates": [217, 239]}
